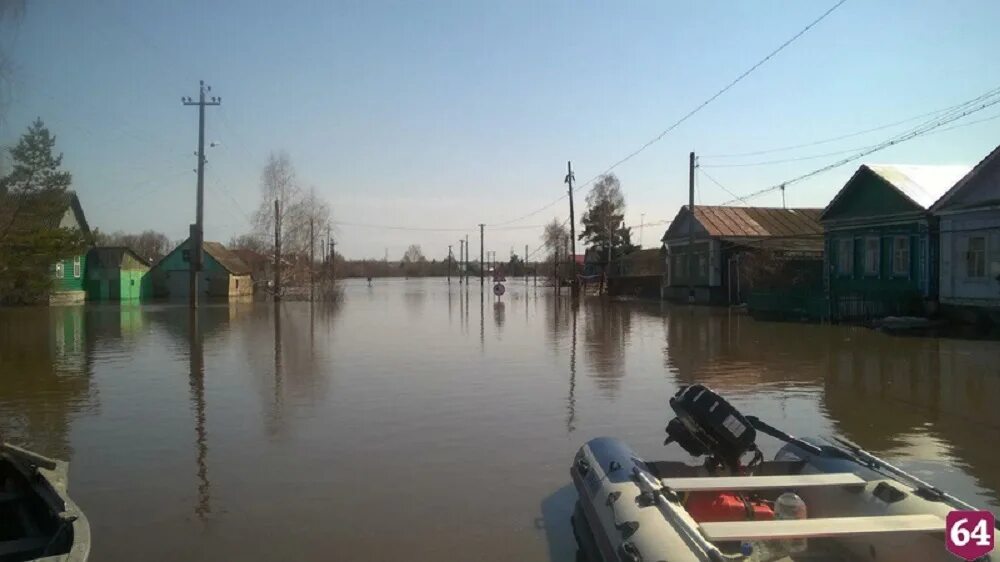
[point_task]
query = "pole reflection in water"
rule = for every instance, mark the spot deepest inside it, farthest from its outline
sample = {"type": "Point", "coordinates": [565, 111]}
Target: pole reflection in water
{"type": "Point", "coordinates": [197, 383]}
{"type": "Point", "coordinates": [571, 401]}
{"type": "Point", "coordinates": [499, 315]}
{"type": "Point", "coordinates": [277, 407]}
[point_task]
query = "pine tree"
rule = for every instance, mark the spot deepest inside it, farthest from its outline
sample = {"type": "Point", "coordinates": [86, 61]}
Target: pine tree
{"type": "Point", "coordinates": [33, 198]}
{"type": "Point", "coordinates": [604, 228]}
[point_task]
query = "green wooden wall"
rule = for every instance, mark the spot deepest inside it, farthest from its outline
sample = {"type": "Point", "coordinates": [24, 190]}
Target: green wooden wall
{"type": "Point", "coordinates": [919, 278]}
{"type": "Point", "coordinates": [67, 281]}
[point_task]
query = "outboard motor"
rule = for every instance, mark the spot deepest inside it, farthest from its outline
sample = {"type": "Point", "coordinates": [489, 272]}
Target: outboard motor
{"type": "Point", "coordinates": [706, 424]}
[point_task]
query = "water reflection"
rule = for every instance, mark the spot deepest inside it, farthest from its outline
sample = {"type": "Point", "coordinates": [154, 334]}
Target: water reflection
{"type": "Point", "coordinates": [46, 367]}
{"type": "Point", "coordinates": [197, 384]}
{"type": "Point", "coordinates": [499, 315]}
{"type": "Point", "coordinates": [605, 335]}
{"type": "Point", "coordinates": [239, 432]}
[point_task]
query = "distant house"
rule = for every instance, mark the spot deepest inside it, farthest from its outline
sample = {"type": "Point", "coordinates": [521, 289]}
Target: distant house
{"type": "Point", "coordinates": [117, 273]}
{"type": "Point", "coordinates": [881, 245]}
{"type": "Point", "coordinates": [260, 265]}
{"type": "Point", "coordinates": [969, 222]}
{"type": "Point", "coordinates": [728, 241]}
{"type": "Point", "coordinates": [638, 274]}
{"type": "Point", "coordinates": [68, 274]}
{"type": "Point", "coordinates": [224, 273]}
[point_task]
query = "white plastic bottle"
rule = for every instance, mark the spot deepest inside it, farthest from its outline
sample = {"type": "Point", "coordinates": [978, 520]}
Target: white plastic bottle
{"type": "Point", "coordinates": [790, 506]}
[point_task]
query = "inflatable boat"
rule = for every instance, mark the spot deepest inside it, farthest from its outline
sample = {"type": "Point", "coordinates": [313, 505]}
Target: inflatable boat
{"type": "Point", "coordinates": [816, 501]}
{"type": "Point", "coordinates": [38, 521]}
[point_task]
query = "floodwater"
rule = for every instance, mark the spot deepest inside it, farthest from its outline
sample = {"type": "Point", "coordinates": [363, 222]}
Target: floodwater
{"type": "Point", "coordinates": [418, 421]}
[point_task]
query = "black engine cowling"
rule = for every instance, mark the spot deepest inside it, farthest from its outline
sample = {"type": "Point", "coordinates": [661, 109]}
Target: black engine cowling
{"type": "Point", "coordinates": [706, 424]}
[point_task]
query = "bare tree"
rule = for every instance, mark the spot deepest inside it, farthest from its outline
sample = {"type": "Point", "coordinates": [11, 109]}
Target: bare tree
{"type": "Point", "coordinates": [556, 238]}
{"type": "Point", "coordinates": [278, 182]}
{"type": "Point", "coordinates": [414, 254]}
{"type": "Point", "coordinates": [149, 244]}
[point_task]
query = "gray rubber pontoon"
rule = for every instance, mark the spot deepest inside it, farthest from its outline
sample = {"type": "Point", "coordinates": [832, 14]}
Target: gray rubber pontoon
{"type": "Point", "coordinates": [860, 508]}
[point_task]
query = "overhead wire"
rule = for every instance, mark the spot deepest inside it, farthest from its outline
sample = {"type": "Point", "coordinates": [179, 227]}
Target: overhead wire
{"type": "Point", "coordinates": [689, 114]}
{"type": "Point", "coordinates": [962, 110]}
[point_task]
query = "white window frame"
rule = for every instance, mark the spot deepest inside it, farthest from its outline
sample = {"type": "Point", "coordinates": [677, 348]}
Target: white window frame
{"type": "Point", "coordinates": [77, 267]}
{"type": "Point", "coordinates": [845, 259]}
{"type": "Point", "coordinates": [877, 261]}
{"type": "Point", "coordinates": [898, 252]}
{"type": "Point", "coordinates": [971, 262]}
{"type": "Point", "coordinates": [60, 270]}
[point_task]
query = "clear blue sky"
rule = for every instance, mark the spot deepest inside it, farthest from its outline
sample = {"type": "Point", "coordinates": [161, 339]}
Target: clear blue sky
{"type": "Point", "coordinates": [448, 114]}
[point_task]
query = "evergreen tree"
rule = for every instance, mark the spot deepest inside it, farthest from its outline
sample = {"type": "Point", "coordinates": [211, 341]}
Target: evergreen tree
{"type": "Point", "coordinates": [33, 199]}
{"type": "Point", "coordinates": [604, 228]}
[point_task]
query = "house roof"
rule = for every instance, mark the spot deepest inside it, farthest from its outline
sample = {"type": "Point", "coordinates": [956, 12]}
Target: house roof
{"type": "Point", "coordinates": [751, 222]}
{"type": "Point", "coordinates": [250, 257]}
{"type": "Point", "coordinates": [921, 184]}
{"type": "Point", "coordinates": [227, 259]}
{"type": "Point", "coordinates": [945, 199]}
{"type": "Point", "coordinates": [112, 255]}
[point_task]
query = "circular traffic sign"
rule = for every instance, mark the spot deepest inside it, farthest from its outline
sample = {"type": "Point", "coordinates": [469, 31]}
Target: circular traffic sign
{"type": "Point", "coordinates": [498, 289]}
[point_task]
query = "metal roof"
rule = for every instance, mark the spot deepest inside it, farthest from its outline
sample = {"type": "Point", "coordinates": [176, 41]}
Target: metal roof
{"type": "Point", "coordinates": [228, 260]}
{"type": "Point", "coordinates": [757, 222]}
{"type": "Point", "coordinates": [922, 184]}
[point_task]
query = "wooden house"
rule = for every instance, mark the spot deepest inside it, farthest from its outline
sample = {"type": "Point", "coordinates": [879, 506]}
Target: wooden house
{"type": "Point", "coordinates": [117, 273]}
{"type": "Point", "coordinates": [881, 241]}
{"type": "Point", "coordinates": [718, 268]}
{"type": "Point", "coordinates": [68, 274]}
{"type": "Point", "coordinates": [969, 224]}
{"type": "Point", "coordinates": [224, 274]}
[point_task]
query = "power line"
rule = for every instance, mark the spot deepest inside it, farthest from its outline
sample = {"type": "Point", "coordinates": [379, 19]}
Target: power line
{"type": "Point", "coordinates": [827, 140]}
{"type": "Point", "coordinates": [722, 187]}
{"type": "Point", "coordinates": [922, 129]}
{"type": "Point", "coordinates": [835, 153]}
{"type": "Point", "coordinates": [689, 114]}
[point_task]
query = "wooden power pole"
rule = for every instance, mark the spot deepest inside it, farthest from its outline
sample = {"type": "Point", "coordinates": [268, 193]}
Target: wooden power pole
{"type": "Point", "coordinates": [572, 225]}
{"type": "Point", "coordinates": [312, 260]}
{"type": "Point", "coordinates": [277, 250]}
{"type": "Point", "coordinates": [449, 264]}
{"type": "Point", "coordinates": [481, 263]}
{"type": "Point", "coordinates": [195, 244]}
{"type": "Point", "coordinates": [690, 229]}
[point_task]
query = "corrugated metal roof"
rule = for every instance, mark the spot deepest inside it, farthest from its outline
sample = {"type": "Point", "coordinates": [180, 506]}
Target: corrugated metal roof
{"type": "Point", "coordinates": [922, 184]}
{"type": "Point", "coordinates": [758, 222]}
{"type": "Point", "coordinates": [230, 261]}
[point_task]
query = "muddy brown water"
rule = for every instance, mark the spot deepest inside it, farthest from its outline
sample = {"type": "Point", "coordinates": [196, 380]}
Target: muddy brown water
{"type": "Point", "coordinates": [418, 421]}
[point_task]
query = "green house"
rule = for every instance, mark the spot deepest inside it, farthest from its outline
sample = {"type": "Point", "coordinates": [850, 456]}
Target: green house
{"type": "Point", "coordinates": [223, 273]}
{"type": "Point", "coordinates": [117, 274]}
{"type": "Point", "coordinates": [68, 274]}
{"type": "Point", "coordinates": [881, 242]}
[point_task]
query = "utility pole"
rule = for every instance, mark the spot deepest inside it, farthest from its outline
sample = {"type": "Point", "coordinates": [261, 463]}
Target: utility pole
{"type": "Point", "coordinates": [572, 222]}
{"type": "Point", "coordinates": [524, 265]}
{"type": "Point", "coordinates": [642, 223]}
{"type": "Point", "coordinates": [333, 260]}
{"type": "Point", "coordinates": [481, 263]}
{"type": "Point", "coordinates": [783, 196]}
{"type": "Point", "coordinates": [466, 261]}
{"type": "Point", "coordinates": [277, 250]}
{"type": "Point", "coordinates": [195, 245]}
{"type": "Point", "coordinates": [328, 252]}
{"type": "Point", "coordinates": [449, 264]}
{"type": "Point", "coordinates": [312, 261]}
{"type": "Point", "coordinates": [690, 229]}
{"type": "Point", "coordinates": [461, 254]}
